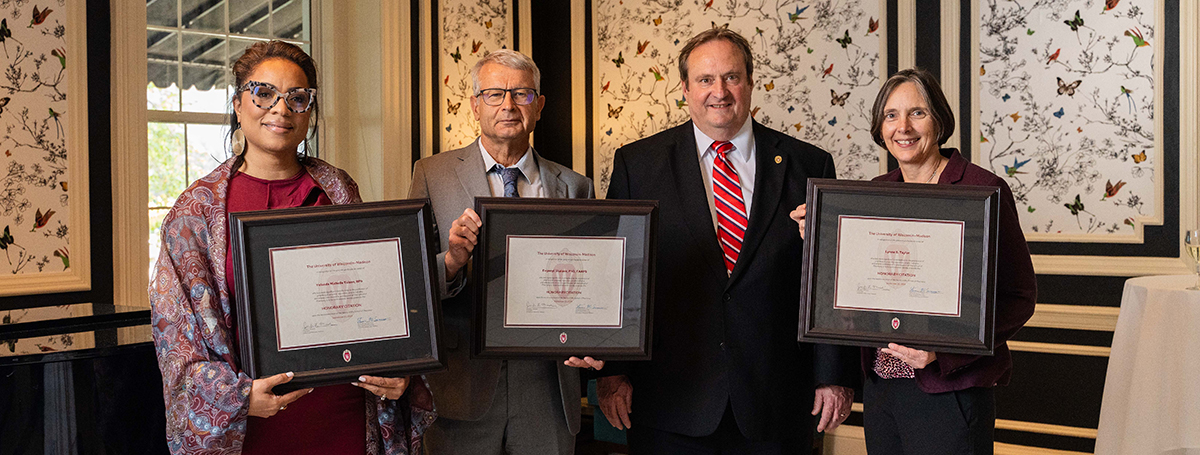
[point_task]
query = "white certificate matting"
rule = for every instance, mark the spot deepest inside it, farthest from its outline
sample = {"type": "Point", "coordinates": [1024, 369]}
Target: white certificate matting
{"type": "Point", "coordinates": [564, 281]}
{"type": "Point", "coordinates": [338, 293]}
{"type": "Point", "coordinates": [899, 265]}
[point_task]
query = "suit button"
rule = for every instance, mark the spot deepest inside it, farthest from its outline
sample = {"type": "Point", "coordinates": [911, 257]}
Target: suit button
{"type": "Point", "coordinates": [722, 345]}
{"type": "Point", "coordinates": [727, 297]}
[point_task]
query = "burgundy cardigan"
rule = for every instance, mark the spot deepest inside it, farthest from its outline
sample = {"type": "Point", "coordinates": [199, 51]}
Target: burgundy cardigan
{"type": "Point", "coordinates": [1016, 291]}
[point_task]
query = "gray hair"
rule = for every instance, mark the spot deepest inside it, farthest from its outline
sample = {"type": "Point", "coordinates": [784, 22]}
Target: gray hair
{"type": "Point", "coordinates": [511, 59]}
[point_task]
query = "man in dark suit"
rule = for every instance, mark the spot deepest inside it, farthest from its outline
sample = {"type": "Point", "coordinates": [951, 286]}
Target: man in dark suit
{"type": "Point", "coordinates": [492, 406]}
{"type": "Point", "coordinates": [727, 374]}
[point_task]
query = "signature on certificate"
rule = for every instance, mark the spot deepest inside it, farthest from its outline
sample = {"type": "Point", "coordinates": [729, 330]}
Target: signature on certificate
{"type": "Point", "coordinates": [922, 292]}
{"type": "Point", "coordinates": [871, 289]}
{"type": "Point", "coordinates": [317, 327]}
{"type": "Point", "coordinates": [371, 321]}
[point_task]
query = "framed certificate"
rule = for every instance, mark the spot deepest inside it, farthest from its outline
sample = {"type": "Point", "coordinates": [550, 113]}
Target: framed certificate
{"type": "Point", "coordinates": [900, 263]}
{"type": "Point", "coordinates": [561, 277]}
{"type": "Point", "coordinates": [334, 292]}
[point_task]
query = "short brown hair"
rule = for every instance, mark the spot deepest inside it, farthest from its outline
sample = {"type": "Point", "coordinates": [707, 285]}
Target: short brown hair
{"type": "Point", "coordinates": [927, 85]}
{"type": "Point", "coordinates": [711, 34]}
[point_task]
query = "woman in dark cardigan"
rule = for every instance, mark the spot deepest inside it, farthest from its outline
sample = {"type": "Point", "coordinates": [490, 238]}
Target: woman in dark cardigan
{"type": "Point", "coordinates": [921, 402]}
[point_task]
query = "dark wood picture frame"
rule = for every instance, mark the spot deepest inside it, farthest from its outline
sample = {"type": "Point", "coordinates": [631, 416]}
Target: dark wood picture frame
{"type": "Point", "coordinates": [970, 332]}
{"type": "Point", "coordinates": [253, 234]}
{"type": "Point", "coordinates": [635, 221]}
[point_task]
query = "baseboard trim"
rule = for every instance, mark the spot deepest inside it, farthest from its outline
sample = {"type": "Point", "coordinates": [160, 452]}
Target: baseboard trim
{"type": "Point", "coordinates": [1055, 348]}
{"type": "Point", "coordinates": [1046, 428]}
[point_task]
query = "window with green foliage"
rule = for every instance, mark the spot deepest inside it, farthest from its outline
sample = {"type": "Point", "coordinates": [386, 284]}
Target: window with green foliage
{"type": "Point", "coordinates": [190, 45]}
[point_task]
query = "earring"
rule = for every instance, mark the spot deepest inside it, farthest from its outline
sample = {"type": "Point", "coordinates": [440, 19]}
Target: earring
{"type": "Point", "coordinates": [239, 142]}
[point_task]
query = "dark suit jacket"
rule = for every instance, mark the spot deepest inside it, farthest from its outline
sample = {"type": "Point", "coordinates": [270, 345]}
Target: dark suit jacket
{"type": "Point", "coordinates": [726, 340]}
{"type": "Point", "coordinates": [451, 180]}
{"type": "Point", "coordinates": [1016, 291]}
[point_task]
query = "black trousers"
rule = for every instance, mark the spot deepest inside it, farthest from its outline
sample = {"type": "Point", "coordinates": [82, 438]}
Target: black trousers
{"type": "Point", "coordinates": [899, 418]}
{"type": "Point", "coordinates": [726, 440]}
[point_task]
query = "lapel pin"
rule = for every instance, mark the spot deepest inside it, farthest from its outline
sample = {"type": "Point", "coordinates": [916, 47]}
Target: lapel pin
{"type": "Point", "coordinates": [778, 159]}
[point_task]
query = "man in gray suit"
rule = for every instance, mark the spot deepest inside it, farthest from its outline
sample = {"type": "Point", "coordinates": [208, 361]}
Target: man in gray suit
{"type": "Point", "coordinates": [490, 406]}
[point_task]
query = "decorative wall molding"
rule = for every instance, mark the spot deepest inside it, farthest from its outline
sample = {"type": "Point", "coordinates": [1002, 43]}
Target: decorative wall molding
{"type": "Point", "coordinates": [130, 177]}
{"type": "Point", "coordinates": [425, 93]}
{"type": "Point", "coordinates": [906, 34]}
{"type": "Point", "coordinates": [849, 439]}
{"type": "Point", "coordinates": [951, 28]}
{"type": "Point", "coordinates": [1189, 110]}
{"type": "Point", "coordinates": [1074, 317]}
{"type": "Point", "coordinates": [1091, 142]}
{"type": "Point", "coordinates": [1045, 428]}
{"type": "Point", "coordinates": [37, 266]}
{"type": "Point", "coordinates": [524, 26]}
{"type": "Point", "coordinates": [1109, 265]}
{"type": "Point", "coordinates": [845, 440]}
{"type": "Point", "coordinates": [1189, 170]}
{"type": "Point", "coordinates": [1055, 348]}
{"type": "Point", "coordinates": [579, 90]}
{"type": "Point", "coordinates": [1013, 449]}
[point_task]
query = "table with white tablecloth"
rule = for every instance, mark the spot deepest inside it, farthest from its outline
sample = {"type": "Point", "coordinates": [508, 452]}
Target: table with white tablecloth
{"type": "Point", "coordinates": [1152, 392]}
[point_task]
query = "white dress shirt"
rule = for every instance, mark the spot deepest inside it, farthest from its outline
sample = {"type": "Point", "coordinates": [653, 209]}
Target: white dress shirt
{"type": "Point", "coordinates": [741, 158]}
{"type": "Point", "coordinates": [528, 185]}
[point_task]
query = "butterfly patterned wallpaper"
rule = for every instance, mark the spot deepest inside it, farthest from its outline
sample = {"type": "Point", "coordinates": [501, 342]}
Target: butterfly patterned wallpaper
{"type": "Point", "coordinates": [816, 72]}
{"type": "Point", "coordinates": [1067, 114]}
{"type": "Point", "coordinates": [33, 138]}
{"type": "Point", "coordinates": [470, 29]}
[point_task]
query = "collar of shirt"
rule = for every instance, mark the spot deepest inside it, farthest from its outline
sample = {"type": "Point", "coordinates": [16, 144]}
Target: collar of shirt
{"type": "Point", "coordinates": [529, 185]}
{"type": "Point", "coordinates": [527, 164]}
{"type": "Point", "coordinates": [741, 158]}
{"type": "Point", "coordinates": [743, 143]}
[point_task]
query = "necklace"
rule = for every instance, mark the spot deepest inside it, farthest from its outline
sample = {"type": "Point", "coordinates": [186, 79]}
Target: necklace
{"type": "Point", "coordinates": [935, 171]}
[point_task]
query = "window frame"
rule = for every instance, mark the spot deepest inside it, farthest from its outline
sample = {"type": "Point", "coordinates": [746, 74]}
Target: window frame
{"type": "Point", "coordinates": [180, 116]}
{"type": "Point", "coordinates": [382, 169]}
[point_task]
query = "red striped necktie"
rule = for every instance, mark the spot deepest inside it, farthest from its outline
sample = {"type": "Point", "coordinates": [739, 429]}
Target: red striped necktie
{"type": "Point", "coordinates": [732, 218]}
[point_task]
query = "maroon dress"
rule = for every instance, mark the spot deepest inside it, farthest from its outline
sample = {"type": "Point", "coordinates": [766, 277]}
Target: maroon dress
{"type": "Point", "coordinates": [330, 420]}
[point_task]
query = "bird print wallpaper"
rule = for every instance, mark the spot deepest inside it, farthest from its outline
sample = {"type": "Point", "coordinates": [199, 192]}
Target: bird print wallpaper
{"type": "Point", "coordinates": [1067, 107]}
{"type": "Point", "coordinates": [468, 30]}
{"type": "Point", "coordinates": [817, 68]}
{"type": "Point", "coordinates": [34, 195]}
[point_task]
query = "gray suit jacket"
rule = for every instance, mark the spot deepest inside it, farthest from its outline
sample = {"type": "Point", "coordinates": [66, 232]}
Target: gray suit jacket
{"type": "Point", "coordinates": [452, 180]}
